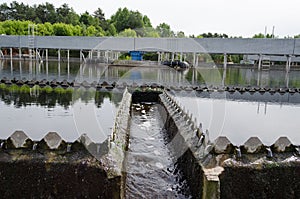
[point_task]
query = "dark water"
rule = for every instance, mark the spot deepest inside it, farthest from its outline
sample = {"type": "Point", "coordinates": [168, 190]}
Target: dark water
{"type": "Point", "coordinates": [70, 114]}
{"type": "Point", "coordinates": [151, 170]}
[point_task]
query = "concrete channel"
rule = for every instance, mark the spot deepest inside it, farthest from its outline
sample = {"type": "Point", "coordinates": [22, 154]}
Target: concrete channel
{"type": "Point", "coordinates": [52, 167]}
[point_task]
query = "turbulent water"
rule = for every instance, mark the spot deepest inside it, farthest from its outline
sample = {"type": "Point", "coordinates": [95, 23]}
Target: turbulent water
{"type": "Point", "coordinates": [151, 170]}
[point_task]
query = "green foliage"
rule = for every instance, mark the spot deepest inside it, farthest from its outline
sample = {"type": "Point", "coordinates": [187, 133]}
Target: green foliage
{"type": "Point", "coordinates": [180, 34]}
{"type": "Point", "coordinates": [88, 20]}
{"type": "Point", "coordinates": [14, 27]}
{"type": "Point", "coordinates": [260, 35]}
{"type": "Point", "coordinates": [124, 56]}
{"type": "Point", "coordinates": [46, 13]}
{"type": "Point", "coordinates": [62, 29]}
{"type": "Point", "coordinates": [63, 21]}
{"type": "Point", "coordinates": [164, 30]}
{"type": "Point", "coordinates": [112, 31]}
{"type": "Point", "coordinates": [297, 36]}
{"type": "Point", "coordinates": [150, 56]}
{"type": "Point", "coordinates": [91, 31]}
{"type": "Point", "coordinates": [151, 33]}
{"type": "Point", "coordinates": [45, 29]}
{"type": "Point", "coordinates": [147, 22]}
{"type": "Point", "coordinates": [128, 33]}
{"type": "Point", "coordinates": [212, 35]}
{"type": "Point", "coordinates": [128, 19]}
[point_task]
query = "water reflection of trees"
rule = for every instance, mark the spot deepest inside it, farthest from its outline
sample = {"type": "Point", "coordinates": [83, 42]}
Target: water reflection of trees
{"type": "Point", "coordinates": [22, 97]}
{"type": "Point", "coordinates": [244, 77]}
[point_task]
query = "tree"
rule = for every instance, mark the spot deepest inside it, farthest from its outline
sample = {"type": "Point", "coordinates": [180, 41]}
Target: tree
{"type": "Point", "coordinates": [164, 30]}
{"type": "Point", "coordinates": [180, 34]}
{"type": "Point", "coordinates": [135, 20]}
{"type": "Point", "coordinates": [146, 21]}
{"type": "Point", "coordinates": [45, 29]}
{"type": "Point", "coordinates": [150, 32]}
{"type": "Point", "coordinates": [61, 29]}
{"type": "Point", "coordinates": [127, 33]}
{"type": "Point", "coordinates": [46, 13]}
{"type": "Point", "coordinates": [99, 14]}
{"type": "Point", "coordinates": [4, 12]}
{"type": "Point", "coordinates": [120, 19]}
{"type": "Point", "coordinates": [297, 36]}
{"type": "Point", "coordinates": [17, 11]}
{"type": "Point", "coordinates": [260, 35]}
{"type": "Point", "coordinates": [212, 35]}
{"type": "Point", "coordinates": [112, 31]}
{"type": "Point", "coordinates": [100, 32]}
{"type": "Point", "coordinates": [77, 30]}
{"type": "Point", "coordinates": [91, 31]}
{"type": "Point", "coordinates": [67, 15]}
{"type": "Point", "coordinates": [124, 19]}
{"type": "Point", "coordinates": [87, 19]}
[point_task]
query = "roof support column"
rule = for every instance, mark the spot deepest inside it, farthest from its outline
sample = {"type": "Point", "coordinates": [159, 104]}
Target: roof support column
{"type": "Point", "coordinates": [46, 51]}
{"type": "Point", "coordinates": [288, 63]}
{"type": "Point", "coordinates": [20, 69]}
{"type": "Point", "coordinates": [224, 77]}
{"type": "Point", "coordinates": [159, 57]}
{"type": "Point", "coordinates": [287, 79]}
{"type": "Point", "coordinates": [225, 61]}
{"type": "Point", "coordinates": [10, 53]}
{"type": "Point", "coordinates": [58, 69]}
{"type": "Point", "coordinates": [259, 61]}
{"type": "Point", "coordinates": [58, 54]}
{"type": "Point", "coordinates": [37, 54]}
{"type": "Point", "coordinates": [68, 55]}
{"type": "Point", "coordinates": [194, 59]}
{"type": "Point", "coordinates": [20, 53]}
{"type": "Point", "coordinates": [47, 69]}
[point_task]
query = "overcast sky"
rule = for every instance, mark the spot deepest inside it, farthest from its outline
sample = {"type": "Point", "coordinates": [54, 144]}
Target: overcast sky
{"type": "Point", "coordinates": [233, 17]}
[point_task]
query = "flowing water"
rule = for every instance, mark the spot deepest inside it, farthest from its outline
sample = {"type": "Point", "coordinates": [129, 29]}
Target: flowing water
{"type": "Point", "coordinates": [151, 169]}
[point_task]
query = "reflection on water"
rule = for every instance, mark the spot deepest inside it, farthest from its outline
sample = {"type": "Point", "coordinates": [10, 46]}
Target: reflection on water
{"type": "Point", "coordinates": [91, 72]}
{"type": "Point", "coordinates": [152, 172]}
{"type": "Point", "coordinates": [244, 117]}
{"type": "Point", "coordinates": [49, 111]}
{"type": "Point", "coordinates": [155, 74]}
{"type": "Point", "coordinates": [244, 77]}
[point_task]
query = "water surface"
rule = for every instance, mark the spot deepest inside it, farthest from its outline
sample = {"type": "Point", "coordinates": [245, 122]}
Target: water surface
{"type": "Point", "coordinates": [151, 169]}
{"type": "Point", "coordinates": [243, 116]}
{"type": "Point", "coordinates": [45, 112]}
{"type": "Point", "coordinates": [232, 76]}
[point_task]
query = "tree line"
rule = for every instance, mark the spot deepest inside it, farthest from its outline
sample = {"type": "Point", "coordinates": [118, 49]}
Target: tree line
{"type": "Point", "coordinates": [64, 21]}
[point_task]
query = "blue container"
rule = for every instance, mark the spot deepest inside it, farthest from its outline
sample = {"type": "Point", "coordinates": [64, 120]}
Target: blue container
{"type": "Point", "coordinates": [136, 55]}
